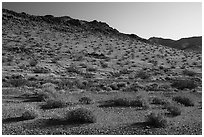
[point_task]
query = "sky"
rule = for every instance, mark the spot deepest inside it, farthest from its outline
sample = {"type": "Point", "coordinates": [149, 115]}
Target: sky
{"type": "Point", "coordinates": [172, 20]}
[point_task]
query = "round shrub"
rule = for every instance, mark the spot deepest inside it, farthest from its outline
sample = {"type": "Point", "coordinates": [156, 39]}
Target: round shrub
{"type": "Point", "coordinates": [173, 110]}
{"type": "Point", "coordinates": [156, 120]}
{"type": "Point", "coordinates": [33, 62]}
{"type": "Point", "coordinates": [49, 87]}
{"type": "Point", "coordinates": [80, 115]}
{"type": "Point", "coordinates": [29, 113]}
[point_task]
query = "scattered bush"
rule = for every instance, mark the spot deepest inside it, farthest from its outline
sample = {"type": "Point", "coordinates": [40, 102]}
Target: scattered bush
{"type": "Point", "coordinates": [156, 120]}
{"type": "Point", "coordinates": [29, 113]}
{"type": "Point", "coordinates": [53, 103]}
{"type": "Point", "coordinates": [33, 62]}
{"type": "Point", "coordinates": [188, 72]}
{"type": "Point", "coordinates": [39, 69]}
{"type": "Point", "coordinates": [42, 96]}
{"type": "Point", "coordinates": [80, 115]}
{"type": "Point", "coordinates": [49, 87]}
{"type": "Point", "coordinates": [114, 86]}
{"type": "Point", "coordinates": [126, 102]}
{"type": "Point", "coordinates": [182, 84]}
{"type": "Point", "coordinates": [173, 110]}
{"type": "Point", "coordinates": [18, 82]}
{"type": "Point", "coordinates": [152, 87]}
{"type": "Point", "coordinates": [85, 100]}
{"type": "Point", "coordinates": [91, 69]}
{"type": "Point", "coordinates": [142, 74]}
{"type": "Point", "coordinates": [159, 101]}
{"type": "Point", "coordinates": [103, 64]}
{"type": "Point", "coordinates": [183, 100]}
{"type": "Point", "coordinates": [132, 87]}
{"type": "Point", "coordinates": [73, 69]}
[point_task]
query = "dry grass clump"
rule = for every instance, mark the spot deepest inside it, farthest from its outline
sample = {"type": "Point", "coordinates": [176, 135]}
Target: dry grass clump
{"type": "Point", "coordinates": [156, 120]}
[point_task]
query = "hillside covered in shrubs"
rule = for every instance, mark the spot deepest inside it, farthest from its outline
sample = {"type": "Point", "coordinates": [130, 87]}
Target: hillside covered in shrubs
{"type": "Point", "coordinates": [67, 76]}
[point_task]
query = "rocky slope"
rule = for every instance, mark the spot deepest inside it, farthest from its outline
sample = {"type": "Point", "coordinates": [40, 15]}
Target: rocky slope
{"type": "Point", "coordinates": [188, 44]}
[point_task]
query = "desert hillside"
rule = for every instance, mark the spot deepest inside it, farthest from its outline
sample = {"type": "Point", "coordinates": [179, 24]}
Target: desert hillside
{"type": "Point", "coordinates": [52, 65]}
{"type": "Point", "coordinates": [188, 44]}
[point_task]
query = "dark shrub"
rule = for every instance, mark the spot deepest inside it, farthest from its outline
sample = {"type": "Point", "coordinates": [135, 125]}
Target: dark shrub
{"type": "Point", "coordinates": [33, 62]}
{"type": "Point", "coordinates": [73, 69]}
{"type": "Point", "coordinates": [103, 64]}
{"type": "Point", "coordinates": [121, 85]}
{"type": "Point", "coordinates": [29, 113]}
{"type": "Point", "coordinates": [189, 73]}
{"type": "Point", "coordinates": [85, 100]}
{"type": "Point", "coordinates": [159, 101]}
{"type": "Point", "coordinates": [156, 120]}
{"type": "Point", "coordinates": [17, 81]}
{"type": "Point", "coordinates": [174, 110]}
{"type": "Point", "coordinates": [53, 103]}
{"type": "Point", "coordinates": [42, 96]}
{"type": "Point", "coordinates": [183, 100]}
{"type": "Point", "coordinates": [182, 84]}
{"type": "Point", "coordinates": [125, 102]}
{"type": "Point", "coordinates": [92, 69]}
{"type": "Point", "coordinates": [39, 69]}
{"type": "Point", "coordinates": [152, 87]}
{"type": "Point", "coordinates": [80, 115]}
{"type": "Point", "coordinates": [142, 74]}
{"type": "Point", "coordinates": [114, 86]}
